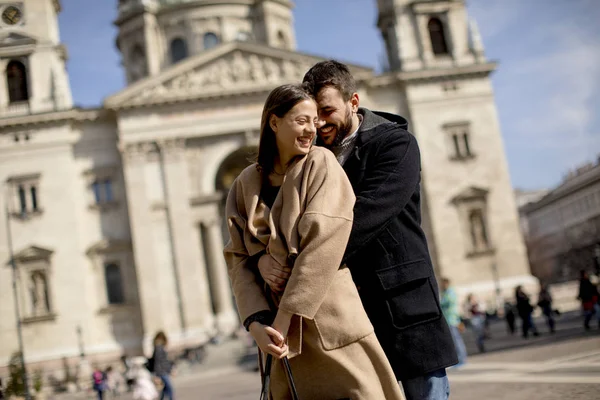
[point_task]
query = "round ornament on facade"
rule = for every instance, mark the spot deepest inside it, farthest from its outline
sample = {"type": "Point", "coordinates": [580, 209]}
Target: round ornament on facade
{"type": "Point", "coordinates": [12, 15]}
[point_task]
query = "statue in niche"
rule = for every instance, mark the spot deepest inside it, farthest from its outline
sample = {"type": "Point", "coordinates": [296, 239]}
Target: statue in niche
{"type": "Point", "coordinates": [479, 237]}
{"type": "Point", "coordinates": [39, 294]}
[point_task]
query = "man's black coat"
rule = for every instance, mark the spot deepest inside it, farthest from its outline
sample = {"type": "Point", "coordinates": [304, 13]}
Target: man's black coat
{"type": "Point", "coordinates": [387, 250]}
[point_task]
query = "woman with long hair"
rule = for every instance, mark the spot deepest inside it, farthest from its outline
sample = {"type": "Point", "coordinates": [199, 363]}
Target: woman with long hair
{"type": "Point", "coordinates": [161, 365]}
{"type": "Point", "coordinates": [295, 203]}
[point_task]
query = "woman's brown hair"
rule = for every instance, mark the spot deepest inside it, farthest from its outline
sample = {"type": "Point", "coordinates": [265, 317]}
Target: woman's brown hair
{"type": "Point", "coordinates": [280, 101]}
{"type": "Point", "coordinates": [160, 339]}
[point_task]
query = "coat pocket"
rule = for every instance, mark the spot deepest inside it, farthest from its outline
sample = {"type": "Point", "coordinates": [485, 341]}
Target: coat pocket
{"type": "Point", "coordinates": [341, 319]}
{"type": "Point", "coordinates": [409, 294]}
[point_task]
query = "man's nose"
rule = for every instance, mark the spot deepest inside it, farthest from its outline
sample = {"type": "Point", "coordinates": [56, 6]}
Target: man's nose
{"type": "Point", "coordinates": [320, 123]}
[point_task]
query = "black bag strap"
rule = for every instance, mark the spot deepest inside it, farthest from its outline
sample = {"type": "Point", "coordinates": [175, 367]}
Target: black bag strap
{"type": "Point", "coordinates": [266, 376]}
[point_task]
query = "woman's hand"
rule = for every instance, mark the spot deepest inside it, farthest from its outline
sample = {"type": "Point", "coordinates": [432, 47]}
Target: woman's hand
{"type": "Point", "coordinates": [269, 340]}
{"type": "Point", "coordinates": [282, 322]}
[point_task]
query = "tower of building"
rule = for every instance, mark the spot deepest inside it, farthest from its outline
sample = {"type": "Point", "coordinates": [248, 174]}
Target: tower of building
{"type": "Point", "coordinates": [471, 217]}
{"type": "Point", "coordinates": [32, 59]}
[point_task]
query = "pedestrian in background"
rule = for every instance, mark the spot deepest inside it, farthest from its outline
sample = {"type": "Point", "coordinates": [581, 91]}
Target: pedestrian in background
{"type": "Point", "coordinates": [161, 366]}
{"type": "Point", "coordinates": [545, 303]}
{"type": "Point", "coordinates": [588, 295]}
{"type": "Point", "coordinates": [143, 387]}
{"type": "Point", "coordinates": [477, 320]}
{"type": "Point", "coordinates": [509, 315]}
{"type": "Point", "coordinates": [99, 382]}
{"type": "Point", "coordinates": [450, 309]}
{"type": "Point", "coordinates": [525, 309]}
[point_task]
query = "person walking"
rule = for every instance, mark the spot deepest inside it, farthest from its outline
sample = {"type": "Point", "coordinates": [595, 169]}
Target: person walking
{"type": "Point", "coordinates": [295, 203]}
{"type": "Point", "coordinates": [525, 309]}
{"type": "Point", "coordinates": [162, 366]}
{"type": "Point", "coordinates": [588, 295]}
{"type": "Point", "coordinates": [509, 316]}
{"type": "Point", "coordinates": [387, 252]}
{"type": "Point", "coordinates": [451, 311]}
{"type": "Point", "coordinates": [545, 303]}
{"type": "Point", "coordinates": [99, 382]}
{"type": "Point", "coordinates": [476, 320]}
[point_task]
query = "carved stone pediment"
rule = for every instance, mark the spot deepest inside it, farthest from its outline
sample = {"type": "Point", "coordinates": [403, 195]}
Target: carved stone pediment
{"type": "Point", "coordinates": [470, 193]}
{"type": "Point", "coordinates": [228, 70]}
{"type": "Point", "coordinates": [15, 39]}
{"type": "Point", "coordinates": [33, 253]}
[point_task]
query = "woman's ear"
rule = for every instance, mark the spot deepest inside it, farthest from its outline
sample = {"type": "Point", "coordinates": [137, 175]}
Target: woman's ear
{"type": "Point", "coordinates": [273, 122]}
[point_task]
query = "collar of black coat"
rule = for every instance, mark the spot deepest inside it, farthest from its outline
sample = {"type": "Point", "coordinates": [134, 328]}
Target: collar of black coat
{"type": "Point", "coordinates": [374, 119]}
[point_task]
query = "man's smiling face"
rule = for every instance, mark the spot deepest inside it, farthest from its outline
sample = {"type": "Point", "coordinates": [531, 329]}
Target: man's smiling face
{"type": "Point", "coordinates": [335, 116]}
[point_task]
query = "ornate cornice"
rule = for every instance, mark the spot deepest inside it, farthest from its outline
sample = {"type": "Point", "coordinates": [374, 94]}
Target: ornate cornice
{"type": "Point", "coordinates": [72, 115]}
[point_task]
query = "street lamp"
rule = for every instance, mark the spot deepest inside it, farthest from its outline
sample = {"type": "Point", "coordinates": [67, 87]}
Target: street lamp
{"type": "Point", "coordinates": [16, 300]}
{"type": "Point", "coordinates": [597, 258]}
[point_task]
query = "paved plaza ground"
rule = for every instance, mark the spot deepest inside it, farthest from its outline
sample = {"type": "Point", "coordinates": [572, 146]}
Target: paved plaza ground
{"type": "Point", "coordinates": [562, 366]}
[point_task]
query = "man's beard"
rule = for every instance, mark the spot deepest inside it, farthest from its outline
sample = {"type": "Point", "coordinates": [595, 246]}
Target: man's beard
{"type": "Point", "coordinates": [341, 132]}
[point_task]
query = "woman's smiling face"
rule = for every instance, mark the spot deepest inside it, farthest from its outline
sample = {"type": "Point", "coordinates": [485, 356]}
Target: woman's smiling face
{"type": "Point", "coordinates": [296, 130]}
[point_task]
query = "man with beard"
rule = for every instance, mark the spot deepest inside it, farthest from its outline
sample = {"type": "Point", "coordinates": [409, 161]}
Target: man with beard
{"type": "Point", "coordinates": [387, 251]}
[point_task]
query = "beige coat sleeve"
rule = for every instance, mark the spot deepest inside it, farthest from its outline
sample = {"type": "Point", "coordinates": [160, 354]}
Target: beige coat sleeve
{"type": "Point", "coordinates": [247, 288]}
{"type": "Point", "coordinates": [323, 229]}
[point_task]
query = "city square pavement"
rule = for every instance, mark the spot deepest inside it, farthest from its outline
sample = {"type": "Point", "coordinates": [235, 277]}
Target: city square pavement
{"type": "Point", "coordinates": [562, 366]}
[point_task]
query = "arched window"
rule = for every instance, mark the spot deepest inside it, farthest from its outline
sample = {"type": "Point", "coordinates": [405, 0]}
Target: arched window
{"type": "Point", "coordinates": [16, 78]}
{"type": "Point", "coordinates": [438, 37]}
{"type": "Point", "coordinates": [114, 284]}
{"type": "Point", "coordinates": [137, 62]}
{"type": "Point", "coordinates": [179, 50]}
{"type": "Point", "coordinates": [281, 40]}
{"type": "Point", "coordinates": [210, 40]}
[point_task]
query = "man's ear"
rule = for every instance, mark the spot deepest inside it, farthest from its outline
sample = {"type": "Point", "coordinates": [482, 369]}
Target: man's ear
{"type": "Point", "coordinates": [273, 122]}
{"type": "Point", "coordinates": [354, 102]}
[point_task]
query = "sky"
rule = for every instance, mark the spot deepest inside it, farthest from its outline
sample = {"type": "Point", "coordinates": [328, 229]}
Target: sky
{"type": "Point", "coordinates": [547, 85]}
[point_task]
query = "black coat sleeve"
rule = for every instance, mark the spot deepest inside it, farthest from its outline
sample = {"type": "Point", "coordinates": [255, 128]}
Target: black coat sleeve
{"type": "Point", "coordinates": [390, 179]}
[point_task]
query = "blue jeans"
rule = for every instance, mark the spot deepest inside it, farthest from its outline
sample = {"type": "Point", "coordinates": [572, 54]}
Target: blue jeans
{"type": "Point", "coordinates": [433, 386]}
{"type": "Point", "coordinates": [459, 344]}
{"type": "Point", "coordinates": [167, 389]}
{"type": "Point", "coordinates": [478, 327]}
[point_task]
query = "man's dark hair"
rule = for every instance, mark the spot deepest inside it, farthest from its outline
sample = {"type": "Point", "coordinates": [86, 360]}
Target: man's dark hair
{"type": "Point", "coordinates": [330, 73]}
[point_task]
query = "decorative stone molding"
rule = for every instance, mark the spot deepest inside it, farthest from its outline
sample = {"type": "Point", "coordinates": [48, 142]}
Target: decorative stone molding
{"type": "Point", "coordinates": [137, 152]}
{"type": "Point", "coordinates": [171, 149]}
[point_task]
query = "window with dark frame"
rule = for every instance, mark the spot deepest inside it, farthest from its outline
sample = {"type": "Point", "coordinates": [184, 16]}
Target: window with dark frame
{"type": "Point", "coordinates": [16, 79]}
{"type": "Point", "coordinates": [179, 50]}
{"type": "Point", "coordinates": [114, 283]}
{"type": "Point", "coordinates": [437, 36]}
{"type": "Point", "coordinates": [210, 40]}
{"type": "Point", "coordinates": [103, 192]}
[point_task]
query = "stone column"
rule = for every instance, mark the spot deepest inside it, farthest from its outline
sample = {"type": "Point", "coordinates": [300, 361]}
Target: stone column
{"type": "Point", "coordinates": [227, 319]}
{"type": "Point", "coordinates": [140, 220]}
{"type": "Point", "coordinates": [427, 54]}
{"type": "Point", "coordinates": [188, 265]}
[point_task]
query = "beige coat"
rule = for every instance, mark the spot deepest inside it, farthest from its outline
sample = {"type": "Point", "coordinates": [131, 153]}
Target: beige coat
{"type": "Point", "coordinates": [333, 350]}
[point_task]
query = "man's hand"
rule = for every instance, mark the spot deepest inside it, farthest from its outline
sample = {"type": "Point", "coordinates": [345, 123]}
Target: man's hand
{"type": "Point", "coordinates": [272, 273]}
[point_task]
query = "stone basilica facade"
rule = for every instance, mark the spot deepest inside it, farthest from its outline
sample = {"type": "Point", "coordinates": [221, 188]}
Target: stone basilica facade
{"type": "Point", "coordinates": [114, 214]}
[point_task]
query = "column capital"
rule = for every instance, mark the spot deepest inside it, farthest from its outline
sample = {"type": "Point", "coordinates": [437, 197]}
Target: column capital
{"type": "Point", "coordinates": [136, 152]}
{"type": "Point", "coordinates": [210, 222]}
{"type": "Point", "coordinates": [171, 148]}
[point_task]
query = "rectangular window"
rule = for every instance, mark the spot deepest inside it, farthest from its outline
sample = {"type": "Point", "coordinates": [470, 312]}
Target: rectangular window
{"type": "Point", "coordinates": [103, 192]}
{"type": "Point", "coordinates": [114, 283]}
{"type": "Point", "coordinates": [458, 134]}
{"type": "Point", "coordinates": [33, 191]}
{"type": "Point", "coordinates": [466, 142]}
{"type": "Point", "coordinates": [25, 196]}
